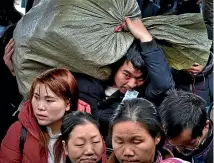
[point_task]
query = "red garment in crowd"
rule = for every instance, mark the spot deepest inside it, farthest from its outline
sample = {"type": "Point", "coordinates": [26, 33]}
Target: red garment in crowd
{"type": "Point", "coordinates": [10, 151]}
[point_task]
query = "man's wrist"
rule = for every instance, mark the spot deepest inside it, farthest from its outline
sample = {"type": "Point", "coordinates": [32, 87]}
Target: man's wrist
{"type": "Point", "coordinates": [146, 38]}
{"type": "Point", "coordinates": [148, 47]}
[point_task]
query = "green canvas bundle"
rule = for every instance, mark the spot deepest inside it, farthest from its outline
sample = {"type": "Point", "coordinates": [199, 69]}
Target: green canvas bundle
{"type": "Point", "coordinates": [79, 35]}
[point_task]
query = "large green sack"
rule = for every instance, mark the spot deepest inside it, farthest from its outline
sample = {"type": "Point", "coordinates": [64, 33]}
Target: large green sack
{"type": "Point", "coordinates": [182, 37]}
{"type": "Point", "coordinates": [79, 34]}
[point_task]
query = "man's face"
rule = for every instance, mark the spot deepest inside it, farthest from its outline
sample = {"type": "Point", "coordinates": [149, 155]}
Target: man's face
{"type": "Point", "coordinates": [128, 77]}
{"type": "Point", "coordinates": [184, 142]}
{"type": "Point", "coordinates": [195, 69]}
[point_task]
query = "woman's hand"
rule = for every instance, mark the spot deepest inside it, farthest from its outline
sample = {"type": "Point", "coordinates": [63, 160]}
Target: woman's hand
{"type": "Point", "coordinates": [9, 49]}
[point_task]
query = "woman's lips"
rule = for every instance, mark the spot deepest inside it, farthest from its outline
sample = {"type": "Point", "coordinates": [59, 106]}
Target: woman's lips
{"type": "Point", "coordinates": [41, 116]}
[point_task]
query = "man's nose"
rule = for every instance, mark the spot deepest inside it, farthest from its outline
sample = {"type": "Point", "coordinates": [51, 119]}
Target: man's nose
{"type": "Point", "coordinates": [132, 83]}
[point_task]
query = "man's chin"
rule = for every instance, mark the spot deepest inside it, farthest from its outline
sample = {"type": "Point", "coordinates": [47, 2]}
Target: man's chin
{"type": "Point", "coordinates": [123, 90]}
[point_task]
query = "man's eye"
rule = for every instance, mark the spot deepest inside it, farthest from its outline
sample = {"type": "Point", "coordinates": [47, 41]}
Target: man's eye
{"type": "Point", "coordinates": [140, 80]}
{"type": "Point", "coordinates": [127, 75]}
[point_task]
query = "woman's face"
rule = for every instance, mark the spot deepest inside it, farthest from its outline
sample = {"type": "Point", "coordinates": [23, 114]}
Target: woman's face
{"type": "Point", "coordinates": [132, 143]}
{"type": "Point", "coordinates": [84, 144]}
{"type": "Point", "coordinates": [47, 107]}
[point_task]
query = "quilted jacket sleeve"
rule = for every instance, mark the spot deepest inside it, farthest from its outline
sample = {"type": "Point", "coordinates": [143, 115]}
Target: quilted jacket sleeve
{"type": "Point", "coordinates": [9, 152]}
{"type": "Point", "coordinates": [158, 70]}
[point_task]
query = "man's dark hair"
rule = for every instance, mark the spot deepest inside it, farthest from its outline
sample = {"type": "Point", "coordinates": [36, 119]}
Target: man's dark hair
{"type": "Point", "coordinates": [135, 57]}
{"type": "Point", "coordinates": [182, 110]}
{"type": "Point", "coordinates": [142, 111]}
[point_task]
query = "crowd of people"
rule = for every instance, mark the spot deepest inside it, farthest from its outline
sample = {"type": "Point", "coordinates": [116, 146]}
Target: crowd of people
{"type": "Point", "coordinates": [145, 112]}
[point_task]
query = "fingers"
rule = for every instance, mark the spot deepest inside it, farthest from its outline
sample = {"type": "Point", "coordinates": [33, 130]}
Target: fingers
{"type": "Point", "coordinates": [10, 53]}
{"type": "Point", "coordinates": [135, 21]}
{"type": "Point", "coordinates": [7, 56]}
{"type": "Point", "coordinates": [9, 50]}
{"type": "Point", "coordinates": [11, 42]}
{"type": "Point", "coordinates": [128, 20]}
{"type": "Point", "coordinates": [12, 70]}
{"type": "Point", "coordinates": [9, 46]}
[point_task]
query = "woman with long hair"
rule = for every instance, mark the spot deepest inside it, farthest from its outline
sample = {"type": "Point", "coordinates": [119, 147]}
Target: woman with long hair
{"type": "Point", "coordinates": [53, 94]}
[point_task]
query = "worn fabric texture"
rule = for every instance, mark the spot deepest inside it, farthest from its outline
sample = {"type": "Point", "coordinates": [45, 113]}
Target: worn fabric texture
{"type": "Point", "coordinates": [182, 37]}
{"type": "Point", "coordinates": [80, 35]}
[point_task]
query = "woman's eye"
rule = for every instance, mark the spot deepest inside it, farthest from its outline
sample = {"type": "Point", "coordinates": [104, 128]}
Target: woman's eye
{"type": "Point", "coordinates": [36, 97]}
{"type": "Point", "coordinates": [79, 145]}
{"type": "Point", "coordinates": [137, 142]}
{"type": "Point", "coordinates": [95, 142]}
{"type": "Point", "coordinates": [49, 101]}
{"type": "Point", "coordinates": [119, 142]}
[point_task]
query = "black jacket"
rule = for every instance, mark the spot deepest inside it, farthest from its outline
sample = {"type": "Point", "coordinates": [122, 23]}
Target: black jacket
{"type": "Point", "coordinates": [159, 81]}
{"type": "Point", "coordinates": [201, 84]}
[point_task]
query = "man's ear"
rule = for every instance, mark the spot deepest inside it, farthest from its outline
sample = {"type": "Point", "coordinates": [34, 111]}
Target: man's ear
{"type": "Point", "coordinates": [164, 128]}
{"type": "Point", "coordinates": [206, 128]}
{"type": "Point", "coordinates": [65, 147]}
{"type": "Point", "coordinates": [207, 125]}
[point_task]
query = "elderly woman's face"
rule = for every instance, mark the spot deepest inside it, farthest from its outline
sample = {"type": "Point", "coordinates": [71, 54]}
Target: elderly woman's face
{"type": "Point", "coordinates": [84, 144]}
{"type": "Point", "coordinates": [132, 143]}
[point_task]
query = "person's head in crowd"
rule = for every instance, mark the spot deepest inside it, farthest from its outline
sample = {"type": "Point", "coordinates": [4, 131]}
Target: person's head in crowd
{"type": "Point", "coordinates": [81, 137]}
{"type": "Point", "coordinates": [136, 131]}
{"type": "Point", "coordinates": [53, 93]}
{"type": "Point", "coordinates": [195, 69]}
{"type": "Point", "coordinates": [130, 72]}
{"type": "Point", "coordinates": [185, 121]}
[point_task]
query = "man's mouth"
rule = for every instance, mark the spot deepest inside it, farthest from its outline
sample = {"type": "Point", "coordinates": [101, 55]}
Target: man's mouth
{"type": "Point", "coordinates": [123, 90]}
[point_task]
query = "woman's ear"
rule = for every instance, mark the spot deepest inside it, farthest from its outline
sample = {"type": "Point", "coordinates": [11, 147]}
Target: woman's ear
{"type": "Point", "coordinates": [65, 148]}
{"type": "Point", "coordinates": [68, 106]}
{"type": "Point", "coordinates": [157, 140]}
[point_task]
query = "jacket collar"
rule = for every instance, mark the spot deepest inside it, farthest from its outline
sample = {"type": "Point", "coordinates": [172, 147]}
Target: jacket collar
{"type": "Point", "coordinates": [28, 120]}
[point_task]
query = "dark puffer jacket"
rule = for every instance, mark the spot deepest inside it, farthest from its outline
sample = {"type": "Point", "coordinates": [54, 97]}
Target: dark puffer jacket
{"type": "Point", "coordinates": [159, 81]}
{"type": "Point", "coordinates": [201, 84]}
